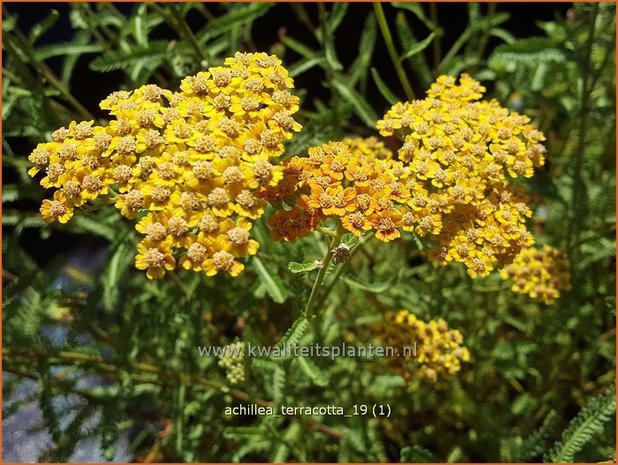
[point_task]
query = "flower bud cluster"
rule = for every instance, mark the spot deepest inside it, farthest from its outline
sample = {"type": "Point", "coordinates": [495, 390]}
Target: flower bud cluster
{"type": "Point", "coordinates": [233, 362]}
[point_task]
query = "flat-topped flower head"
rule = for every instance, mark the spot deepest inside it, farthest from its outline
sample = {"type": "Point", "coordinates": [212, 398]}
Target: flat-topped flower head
{"type": "Point", "coordinates": [351, 184]}
{"type": "Point", "coordinates": [431, 347]}
{"type": "Point", "coordinates": [462, 153]}
{"type": "Point", "coordinates": [539, 273]}
{"type": "Point", "coordinates": [180, 162]}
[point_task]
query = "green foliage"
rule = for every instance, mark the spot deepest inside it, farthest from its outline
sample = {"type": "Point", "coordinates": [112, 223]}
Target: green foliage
{"type": "Point", "coordinates": [85, 326]}
{"type": "Point", "coordinates": [589, 422]}
{"type": "Point", "coordinates": [296, 267]}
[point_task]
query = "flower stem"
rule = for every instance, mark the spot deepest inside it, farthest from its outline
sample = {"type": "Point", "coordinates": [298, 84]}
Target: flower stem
{"type": "Point", "coordinates": [179, 284]}
{"type": "Point", "coordinates": [326, 231]}
{"type": "Point", "coordinates": [578, 214]}
{"type": "Point", "coordinates": [388, 39]}
{"type": "Point", "coordinates": [437, 46]}
{"type": "Point", "coordinates": [319, 280]}
{"type": "Point", "coordinates": [340, 270]}
{"type": "Point", "coordinates": [186, 32]}
{"type": "Point", "coordinates": [491, 11]}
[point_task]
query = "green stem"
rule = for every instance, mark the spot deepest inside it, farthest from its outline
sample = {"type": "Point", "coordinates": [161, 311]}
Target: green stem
{"type": "Point", "coordinates": [301, 13]}
{"type": "Point", "coordinates": [337, 274]}
{"type": "Point", "coordinates": [437, 43]}
{"type": "Point", "coordinates": [94, 31]}
{"type": "Point", "coordinates": [461, 40]}
{"type": "Point", "coordinates": [186, 32]}
{"type": "Point", "coordinates": [577, 217]}
{"type": "Point", "coordinates": [326, 231]}
{"type": "Point", "coordinates": [27, 78]}
{"type": "Point", "coordinates": [87, 208]}
{"type": "Point", "coordinates": [46, 71]}
{"type": "Point", "coordinates": [179, 284]}
{"type": "Point", "coordinates": [388, 39]}
{"type": "Point", "coordinates": [180, 405]}
{"type": "Point", "coordinates": [330, 72]}
{"type": "Point", "coordinates": [491, 11]}
{"type": "Point", "coordinates": [319, 280]}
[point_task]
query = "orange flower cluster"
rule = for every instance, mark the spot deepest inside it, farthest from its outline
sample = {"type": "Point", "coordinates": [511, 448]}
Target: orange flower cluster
{"type": "Point", "coordinates": [462, 151]}
{"type": "Point", "coordinates": [541, 274]}
{"type": "Point", "coordinates": [357, 189]}
{"type": "Point", "coordinates": [187, 165]}
{"type": "Point", "coordinates": [439, 351]}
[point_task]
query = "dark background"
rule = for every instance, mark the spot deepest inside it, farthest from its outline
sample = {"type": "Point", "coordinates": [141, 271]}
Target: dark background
{"type": "Point", "coordinates": [93, 87]}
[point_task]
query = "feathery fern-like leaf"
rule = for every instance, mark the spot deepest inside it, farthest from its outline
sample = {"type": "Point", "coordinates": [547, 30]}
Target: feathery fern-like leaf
{"type": "Point", "coordinates": [588, 422]}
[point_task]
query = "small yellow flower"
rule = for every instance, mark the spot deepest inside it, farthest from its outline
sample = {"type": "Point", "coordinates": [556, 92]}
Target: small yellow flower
{"type": "Point", "coordinates": [56, 210]}
{"type": "Point", "coordinates": [222, 260]}
{"type": "Point", "coordinates": [155, 258]}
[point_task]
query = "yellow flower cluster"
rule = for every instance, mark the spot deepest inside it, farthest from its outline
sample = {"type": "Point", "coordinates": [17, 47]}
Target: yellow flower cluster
{"type": "Point", "coordinates": [368, 146]}
{"type": "Point", "coordinates": [359, 190]}
{"type": "Point", "coordinates": [186, 165]}
{"type": "Point", "coordinates": [439, 350]}
{"type": "Point", "coordinates": [540, 273]}
{"type": "Point", "coordinates": [462, 151]}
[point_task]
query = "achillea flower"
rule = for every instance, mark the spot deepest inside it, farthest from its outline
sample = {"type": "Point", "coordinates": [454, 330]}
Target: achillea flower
{"type": "Point", "coordinates": [439, 350]}
{"type": "Point", "coordinates": [462, 152]}
{"type": "Point", "coordinates": [186, 166]}
{"type": "Point", "coordinates": [370, 146]}
{"type": "Point", "coordinates": [335, 181]}
{"type": "Point", "coordinates": [540, 273]}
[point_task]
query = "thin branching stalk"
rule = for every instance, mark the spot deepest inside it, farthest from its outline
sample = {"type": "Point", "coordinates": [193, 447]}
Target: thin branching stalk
{"type": "Point", "coordinates": [388, 39]}
{"type": "Point", "coordinates": [186, 32]}
{"type": "Point", "coordinates": [326, 231]}
{"type": "Point", "coordinates": [301, 13]}
{"type": "Point", "coordinates": [491, 11]}
{"type": "Point", "coordinates": [337, 274]}
{"type": "Point", "coordinates": [178, 282]}
{"type": "Point", "coordinates": [319, 280]}
{"type": "Point", "coordinates": [578, 181]}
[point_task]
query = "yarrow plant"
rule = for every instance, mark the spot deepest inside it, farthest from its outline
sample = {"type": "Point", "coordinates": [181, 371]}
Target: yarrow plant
{"type": "Point", "coordinates": [539, 273]}
{"type": "Point", "coordinates": [439, 350]}
{"type": "Point", "coordinates": [461, 152]}
{"type": "Point", "coordinates": [400, 218]}
{"type": "Point", "coordinates": [187, 166]}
